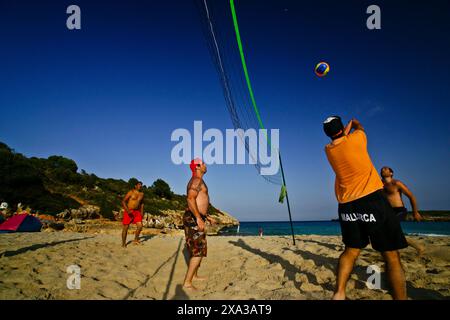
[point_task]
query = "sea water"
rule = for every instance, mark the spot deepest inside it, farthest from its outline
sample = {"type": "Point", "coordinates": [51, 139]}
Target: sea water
{"type": "Point", "coordinates": [329, 228]}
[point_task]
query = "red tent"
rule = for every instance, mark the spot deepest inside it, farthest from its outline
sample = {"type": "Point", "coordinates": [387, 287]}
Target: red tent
{"type": "Point", "coordinates": [21, 223]}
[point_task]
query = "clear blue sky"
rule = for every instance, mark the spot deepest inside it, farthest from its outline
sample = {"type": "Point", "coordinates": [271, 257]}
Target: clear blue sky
{"type": "Point", "coordinates": [109, 95]}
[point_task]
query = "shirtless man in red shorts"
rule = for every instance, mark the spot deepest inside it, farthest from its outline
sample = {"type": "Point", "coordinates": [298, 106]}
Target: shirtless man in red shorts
{"type": "Point", "coordinates": [133, 205]}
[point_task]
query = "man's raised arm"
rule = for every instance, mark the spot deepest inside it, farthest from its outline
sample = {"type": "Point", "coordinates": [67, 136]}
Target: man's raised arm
{"type": "Point", "coordinates": [356, 125]}
{"type": "Point", "coordinates": [348, 127]}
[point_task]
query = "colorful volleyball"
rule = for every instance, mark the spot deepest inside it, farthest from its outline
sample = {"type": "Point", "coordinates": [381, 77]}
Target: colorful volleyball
{"type": "Point", "coordinates": [321, 69]}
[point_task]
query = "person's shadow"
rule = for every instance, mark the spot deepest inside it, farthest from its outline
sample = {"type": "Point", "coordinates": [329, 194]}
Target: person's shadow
{"type": "Point", "coordinates": [146, 238]}
{"type": "Point", "coordinates": [142, 239]}
{"type": "Point", "coordinates": [363, 275]}
{"type": "Point", "coordinates": [172, 272]}
{"type": "Point", "coordinates": [290, 270]}
{"type": "Point", "coordinates": [38, 246]}
{"type": "Point", "coordinates": [180, 294]}
{"type": "Point", "coordinates": [331, 264]}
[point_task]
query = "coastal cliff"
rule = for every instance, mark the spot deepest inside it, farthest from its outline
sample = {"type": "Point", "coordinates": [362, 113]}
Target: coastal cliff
{"type": "Point", "coordinates": [56, 190]}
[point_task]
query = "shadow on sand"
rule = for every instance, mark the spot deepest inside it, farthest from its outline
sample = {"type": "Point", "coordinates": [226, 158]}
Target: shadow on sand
{"type": "Point", "coordinates": [169, 282]}
{"type": "Point", "coordinates": [142, 239]}
{"type": "Point", "coordinates": [290, 270]}
{"type": "Point", "coordinates": [324, 244]}
{"type": "Point", "coordinates": [35, 247]}
{"type": "Point", "coordinates": [362, 276]}
{"type": "Point", "coordinates": [131, 292]}
{"type": "Point", "coordinates": [331, 264]}
{"type": "Point", "coordinates": [180, 294]}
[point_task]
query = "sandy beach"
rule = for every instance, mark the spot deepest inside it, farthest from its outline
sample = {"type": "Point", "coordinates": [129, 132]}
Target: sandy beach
{"type": "Point", "coordinates": [33, 266]}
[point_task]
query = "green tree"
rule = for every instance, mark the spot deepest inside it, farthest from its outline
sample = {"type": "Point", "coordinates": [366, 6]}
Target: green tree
{"type": "Point", "coordinates": [23, 181]}
{"type": "Point", "coordinates": [5, 148]}
{"type": "Point", "coordinates": [132, 182]}
{"type": "Point", "coordinates": [162, 189]}
{"type": "Point", "coordinates": [58, 162]}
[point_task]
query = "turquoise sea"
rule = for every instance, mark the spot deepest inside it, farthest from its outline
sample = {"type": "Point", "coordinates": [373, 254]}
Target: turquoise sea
{"type": "Point", "coordinates": [329, 228]}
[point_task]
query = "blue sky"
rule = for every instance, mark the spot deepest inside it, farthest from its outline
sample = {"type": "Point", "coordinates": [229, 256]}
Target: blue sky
{"type": "Point", "coordinates": [110, 95]}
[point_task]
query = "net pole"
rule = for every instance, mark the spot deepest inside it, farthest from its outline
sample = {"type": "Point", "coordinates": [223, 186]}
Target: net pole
{"type": "Point", "coordinates": [287, 199]}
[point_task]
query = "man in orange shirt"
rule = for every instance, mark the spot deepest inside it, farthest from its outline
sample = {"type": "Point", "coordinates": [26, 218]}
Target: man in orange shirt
{"type": "Point", "coordinates": [365, 214]}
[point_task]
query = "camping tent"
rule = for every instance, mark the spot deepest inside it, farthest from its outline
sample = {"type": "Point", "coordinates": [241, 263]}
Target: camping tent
{"type": "Point", "coordinates": [21, 223]}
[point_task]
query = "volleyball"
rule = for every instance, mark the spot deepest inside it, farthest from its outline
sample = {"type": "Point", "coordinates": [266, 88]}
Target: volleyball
{"type": "Point", "coordinates": [321, 69]}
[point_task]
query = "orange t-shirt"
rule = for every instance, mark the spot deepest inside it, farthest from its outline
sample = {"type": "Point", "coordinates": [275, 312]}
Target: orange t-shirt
{"type": "Point", "coordinates": [356, 176]}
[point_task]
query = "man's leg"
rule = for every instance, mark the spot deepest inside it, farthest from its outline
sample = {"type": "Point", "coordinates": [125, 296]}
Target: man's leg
{"type": "Point", "coordinates": [416, 245]}
{"type": "Point", "coordinates": [196, 270]}
{"type": "Point", "coordinates": [194, 263]}
{"type": "Point", "coordinates": [395, 274]}
{"type": "Point", "coordinates": [196, 276]}
{"type": "Point", "coordinates": [345, 267]}
{"type": "Point", "coordinates": [124, 235]}
{"type": "Point", "coordinates": [138, 231]}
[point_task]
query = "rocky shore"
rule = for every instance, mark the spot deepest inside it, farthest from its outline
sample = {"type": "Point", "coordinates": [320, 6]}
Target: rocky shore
{"type": "Point", "coordinates": [87, 219]}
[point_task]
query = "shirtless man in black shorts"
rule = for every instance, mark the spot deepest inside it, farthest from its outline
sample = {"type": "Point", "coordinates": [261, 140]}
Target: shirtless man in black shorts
{"type": "Point", "coordinates": [394, 189]}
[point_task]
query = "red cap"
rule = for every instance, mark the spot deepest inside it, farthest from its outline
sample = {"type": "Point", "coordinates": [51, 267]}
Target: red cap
{"type": "Point", "coordinates": [194, 164]}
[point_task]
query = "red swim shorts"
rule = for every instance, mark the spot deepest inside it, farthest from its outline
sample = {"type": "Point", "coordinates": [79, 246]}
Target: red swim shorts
{"type": "Point", "coordinates": [135, 218]}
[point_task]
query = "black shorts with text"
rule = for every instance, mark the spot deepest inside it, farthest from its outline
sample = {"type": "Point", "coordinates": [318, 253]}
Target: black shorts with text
{"type": "Point", "coordinates": [371, 219]}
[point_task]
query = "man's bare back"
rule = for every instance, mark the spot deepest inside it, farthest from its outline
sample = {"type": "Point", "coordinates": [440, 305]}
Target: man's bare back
{"type": "Point", "coordinates": [202, 198]}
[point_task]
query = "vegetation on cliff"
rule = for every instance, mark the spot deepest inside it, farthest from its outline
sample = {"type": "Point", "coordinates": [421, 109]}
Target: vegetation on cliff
{"type": "Point", "coordinates": [55, 184]}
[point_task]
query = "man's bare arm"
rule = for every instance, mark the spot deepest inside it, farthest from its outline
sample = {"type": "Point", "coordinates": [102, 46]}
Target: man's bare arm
{"type": "Point", "coordinates": [356, 125]}
{"type": "Point", "coordinates": [211, 219]}
{"type": "Point", "coordinates": [142, 208]}
{"type": "Point", "coordinates": [125, 200]}
{"type": "Point", "coordinates": [192, 203]}
{"type": "Point", "coordinates": [348, 127]}
{"type": "Point", "coordinates": [192, 194]}
{"type": "Point", "coordinates": [412, 199]}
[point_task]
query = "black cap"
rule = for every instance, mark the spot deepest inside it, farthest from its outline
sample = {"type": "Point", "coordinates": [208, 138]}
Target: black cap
{"type": "Point", "coordinates": [333, 126]}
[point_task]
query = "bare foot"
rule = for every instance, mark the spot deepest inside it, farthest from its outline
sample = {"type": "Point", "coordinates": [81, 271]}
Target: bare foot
{"type": "Point", "coordinates": [137, 242]}
{"type": "Point", "coordinates": [420, 251]}
{"type": "Point", "coordinates": [189, 287]}
{"type": "Point", "coordinates": [200, 278]}
{"type": "Point", "coordinates": [338, 296]}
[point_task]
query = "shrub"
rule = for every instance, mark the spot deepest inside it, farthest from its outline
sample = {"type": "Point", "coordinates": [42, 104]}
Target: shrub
{"type": "Point", "coordinates": [162, 189]}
